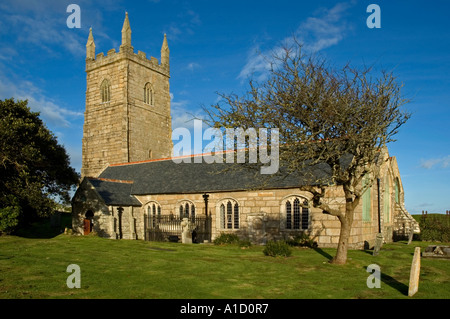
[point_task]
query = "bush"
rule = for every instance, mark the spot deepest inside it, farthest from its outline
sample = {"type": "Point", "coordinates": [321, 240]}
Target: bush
{"type": "Point", "coordinates": [226, 239]}
{"type": "Point", "coordinates": [435, 228]}
{"type": "Point", "coordinates": [9, 219]}
{"type": "Point", "coordinates": [277, 248]}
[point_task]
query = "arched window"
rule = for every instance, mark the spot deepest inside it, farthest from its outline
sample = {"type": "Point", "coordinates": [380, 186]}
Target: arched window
{"type": "Point", "coordinates": [229, 214]}
{"type": "Point", "coordinates": [187, 209]}
{"type": "Point", "coordinates": [153, 213]}
{"type": "Point", "coordinates": [105, 91]}
{"type": "Point", "coordinates": [397, 191]}
{"type": "Point", "coordinates": [296, 213]}
{"type": "Point", "coordinates": [148, 94]}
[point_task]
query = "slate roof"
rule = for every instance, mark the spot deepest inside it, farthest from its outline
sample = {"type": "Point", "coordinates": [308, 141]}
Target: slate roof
{"type": "Point", "coordinates": [118, 183]}
{"type": "Point", "coordinates": [114, 193]}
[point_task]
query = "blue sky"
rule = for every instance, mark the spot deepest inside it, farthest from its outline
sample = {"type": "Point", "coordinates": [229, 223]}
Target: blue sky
{"type": "Point", "coordinates": [214, 47]}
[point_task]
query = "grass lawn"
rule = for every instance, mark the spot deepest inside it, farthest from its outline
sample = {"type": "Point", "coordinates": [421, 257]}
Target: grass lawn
{"type": "Point", "coordinates": [36, 268]}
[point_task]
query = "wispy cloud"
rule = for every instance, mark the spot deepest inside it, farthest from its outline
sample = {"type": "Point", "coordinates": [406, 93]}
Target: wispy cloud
{"type": "Point", "coordinates": [324, 30]}
{"type": "Point", "coordinates": [442, 162]}
{"type": "Point", "coordinates": [186, 23]}
{"type": "Point", "coordinates": [50, 111]}
{"type": "Point", "coordinates": [328, 29]}
{"type": "Point", "coordinates": [192, 66]}
{"type": "Point", "coordinates": [43, 24]}
{"type": "Point", "coordinates": [181, 114]}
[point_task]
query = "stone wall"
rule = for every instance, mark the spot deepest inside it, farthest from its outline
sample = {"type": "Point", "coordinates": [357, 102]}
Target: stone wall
{"type": "Point", "coordinates": [261, 216]}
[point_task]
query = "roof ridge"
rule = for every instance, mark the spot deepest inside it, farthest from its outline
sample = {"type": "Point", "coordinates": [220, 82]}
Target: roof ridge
{"type": "Point", "coordinates": [112, 180]}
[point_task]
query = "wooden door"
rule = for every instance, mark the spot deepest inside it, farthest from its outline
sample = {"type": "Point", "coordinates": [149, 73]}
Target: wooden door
{"type": "Point", "coordinates": [87, 226]}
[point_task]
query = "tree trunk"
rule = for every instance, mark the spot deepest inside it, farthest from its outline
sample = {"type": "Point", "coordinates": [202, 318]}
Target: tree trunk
{"type": "Point", "coordinates": [344, 236]}
{"type": "Point", "coordinates": [341, 253]}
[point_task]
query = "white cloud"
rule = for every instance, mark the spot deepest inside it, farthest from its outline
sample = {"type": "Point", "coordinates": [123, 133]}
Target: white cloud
{"type": "Point", "coordinates": [315, 33]}
{"type": "Point", "coordinates": [192, 66]}
{"type": "Point", "coordinates": [181, 115]}
{"type": "Point", "coordinates": [442, 162]}
{"type": "Point", "coordinates": [49, 110]}
{"type": "Point", "coordinates": [327, 30]}
{"type": "Point", "coordinates": [42, 24]}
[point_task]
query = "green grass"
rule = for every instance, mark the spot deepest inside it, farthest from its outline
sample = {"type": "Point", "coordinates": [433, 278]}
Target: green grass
{"type": "Point", "coordinates": [36, 268]}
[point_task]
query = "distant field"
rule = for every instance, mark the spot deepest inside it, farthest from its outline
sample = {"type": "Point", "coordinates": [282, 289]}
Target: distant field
{"type": "Point", "coordinates": [35, 267]}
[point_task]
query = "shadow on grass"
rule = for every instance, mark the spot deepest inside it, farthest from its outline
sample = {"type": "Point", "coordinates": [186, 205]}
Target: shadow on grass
{"type": "Point", "coordinates": [323, 253]}
{"type": "Point", "coordinates": [394, 283]}
{"type": "Point", "coordinates": [42, 229]}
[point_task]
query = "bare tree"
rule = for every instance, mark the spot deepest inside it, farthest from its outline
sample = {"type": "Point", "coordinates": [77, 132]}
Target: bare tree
{"type": "Point", "coordinates": [324, 115]}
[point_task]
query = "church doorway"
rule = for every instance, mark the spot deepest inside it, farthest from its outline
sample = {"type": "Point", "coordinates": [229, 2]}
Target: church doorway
{"type": "Point", "coordinates": [88, 217]}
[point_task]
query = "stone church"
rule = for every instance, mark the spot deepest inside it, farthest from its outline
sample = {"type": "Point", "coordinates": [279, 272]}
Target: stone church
{"type": "Point", "coordinates": [132, 189]}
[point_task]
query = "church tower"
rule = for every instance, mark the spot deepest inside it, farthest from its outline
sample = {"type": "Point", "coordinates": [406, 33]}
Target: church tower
{"type": "Point", "coordinates": [127, 116]}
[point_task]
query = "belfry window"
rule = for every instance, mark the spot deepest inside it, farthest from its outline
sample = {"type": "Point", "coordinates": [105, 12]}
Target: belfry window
{"type": "Point", "coordinates": [148, 94]}
{"type": "Point", "coordinates": [229, 214]}
{"type": "Point", "coordinates": [296, 213]}
{"type": "Point", "coordinates": [105, 91]}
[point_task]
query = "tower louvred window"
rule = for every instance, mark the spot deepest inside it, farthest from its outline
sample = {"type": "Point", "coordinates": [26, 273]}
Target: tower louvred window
{"type": "Point", "coordinates": [148, 94]}
{"type": "Point", "coordinates": [105, 91]}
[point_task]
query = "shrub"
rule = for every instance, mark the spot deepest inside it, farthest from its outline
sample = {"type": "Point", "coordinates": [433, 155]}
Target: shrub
{"type": "Point", "coordinates": [435, 228]}
{"type": "Point", "coordinates": [9, 219]}
{"type": "Point", "coordinates": [224, 239]}
{"type": "Point", "coordinates": [277, 248]}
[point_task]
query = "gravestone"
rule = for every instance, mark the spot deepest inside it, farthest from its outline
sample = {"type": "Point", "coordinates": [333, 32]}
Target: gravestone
{"type": "Point", "coordinates": [410, 238]}
{"type": "Point", "coordinates": [437, 251]}
{"type": "Point", "coordinates": [378, 243]}
{"type": "Point", "coordinates": [414, 274]}
{"type": "Point", "coordinates": [186, 235]}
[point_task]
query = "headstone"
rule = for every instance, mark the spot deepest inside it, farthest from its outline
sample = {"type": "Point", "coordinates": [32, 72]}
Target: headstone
{"type": "Point", "coordinates": [414, 274]}
{"type": "Point", "coordinates": [436, 251]}
{"type": "Point", "coordinates": [186, 235]}
{"type": "Point", "coordinates": [378, 243]}
{"type": "Point", "coordinates": [411, 234]}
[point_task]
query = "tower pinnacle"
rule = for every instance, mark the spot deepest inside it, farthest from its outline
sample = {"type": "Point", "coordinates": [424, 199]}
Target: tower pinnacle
{"type": "Point", "coordinates": [126, 33]}
{"type": "Point", "coordinates": [90, 46]}
{"type": "Point", "coordinates": [165, 52]}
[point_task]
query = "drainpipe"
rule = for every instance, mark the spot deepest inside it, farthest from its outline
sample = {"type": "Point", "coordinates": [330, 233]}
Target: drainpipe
{"type": "Point", "coordinates": [207, 220]}
{"type": "Point", "coordinates": [379, 207]}
{"type": "Point", "coordinates": [205, 197]}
